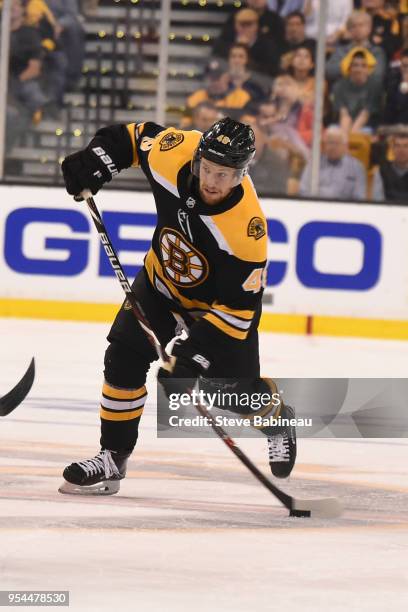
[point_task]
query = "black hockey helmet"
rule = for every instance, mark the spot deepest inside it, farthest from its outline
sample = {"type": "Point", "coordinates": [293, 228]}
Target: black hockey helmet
{"type": "Point", "coordinates": [228, 143]}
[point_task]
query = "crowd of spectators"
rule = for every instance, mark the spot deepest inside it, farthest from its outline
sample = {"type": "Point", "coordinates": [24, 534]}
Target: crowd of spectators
{"type": "Point", "coordinates": [262, 72]}
{"type": "Point", "coordinates": [47, 45]}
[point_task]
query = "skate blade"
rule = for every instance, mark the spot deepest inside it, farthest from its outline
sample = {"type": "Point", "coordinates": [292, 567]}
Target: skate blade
{"type": "Point", "coordinates": [107, 487]}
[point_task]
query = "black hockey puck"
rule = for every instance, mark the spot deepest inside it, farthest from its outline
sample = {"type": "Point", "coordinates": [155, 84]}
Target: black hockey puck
{"type": "Point", "coordinates": [300, 513]}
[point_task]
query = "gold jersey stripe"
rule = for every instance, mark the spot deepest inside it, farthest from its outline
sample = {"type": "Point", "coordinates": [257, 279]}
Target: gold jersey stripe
{"type": "Point", "coordinates": [180, 154]}
{"type": "Point", "coordinates": [125, 394]}
{"type": "Point", "coordinates": [153, 265]}
{"type": "Point", "coordinates": [233, 226]}
{"type": "Point", "coordinates": [248, 315]}
{"type": "Point", "coordinates": [120, 416]}
{"type": "Point", "coordinates": [225, 327]}
{"type": "Point", "coordinates": [131, 128]}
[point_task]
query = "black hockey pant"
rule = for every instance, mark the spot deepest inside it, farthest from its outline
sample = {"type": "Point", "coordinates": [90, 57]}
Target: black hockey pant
{"type": "Point", "coordinates": [130, 354]}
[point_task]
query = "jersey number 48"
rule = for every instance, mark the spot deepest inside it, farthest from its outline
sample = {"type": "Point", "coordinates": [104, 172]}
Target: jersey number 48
{"type": "Point", "coordinates": [255, 281]}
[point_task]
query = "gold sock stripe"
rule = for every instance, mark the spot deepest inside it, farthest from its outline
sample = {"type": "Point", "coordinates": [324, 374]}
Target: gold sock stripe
{"type": "Point", "coordinates": [115, 393]}
{"type": "Point", "coordinates": [120, 416]}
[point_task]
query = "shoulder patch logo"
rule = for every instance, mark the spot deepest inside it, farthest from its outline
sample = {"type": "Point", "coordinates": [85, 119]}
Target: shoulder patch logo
{"type": "Point", "coordinates": [256, 228]}
{"type": "Point", "coordinates": [171, 140]}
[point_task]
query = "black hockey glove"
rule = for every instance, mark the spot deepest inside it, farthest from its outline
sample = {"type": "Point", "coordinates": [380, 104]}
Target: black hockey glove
{"type": "Point", "coordinates": [87, 169]}
{"type": "Point", "coordinates": [180, 379]}
{"type": "Point", "coordinates": [187, 365]}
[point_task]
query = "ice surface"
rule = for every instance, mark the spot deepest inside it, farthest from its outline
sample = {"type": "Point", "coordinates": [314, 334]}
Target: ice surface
{"type": "Point", "coordinates": [191, 529]}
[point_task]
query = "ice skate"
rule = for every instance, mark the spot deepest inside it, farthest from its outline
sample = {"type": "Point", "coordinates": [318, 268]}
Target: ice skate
{"type": "Point", "coordinates": [100, 475]}
{"type": "Point", "coordinates": [282, 447]}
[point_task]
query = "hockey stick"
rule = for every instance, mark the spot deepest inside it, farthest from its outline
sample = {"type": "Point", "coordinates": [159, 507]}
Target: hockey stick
{"type": "Point", "coordinates": [325, 508]}
{"type": "Point", "coordinates": [121, 276]}
{"type": "Point", "coordinates": [14, 397]}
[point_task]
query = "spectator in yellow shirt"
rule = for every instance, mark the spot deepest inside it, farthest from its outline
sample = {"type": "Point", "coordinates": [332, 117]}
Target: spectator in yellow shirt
{"type": "Point", "coordinates": [39, 15]}
{"type": "Point", "coordinates": [219, 90]}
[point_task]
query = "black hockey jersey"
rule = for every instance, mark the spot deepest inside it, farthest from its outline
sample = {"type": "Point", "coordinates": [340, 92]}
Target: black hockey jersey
{"type": "Point", "coordinates": [210, 260]}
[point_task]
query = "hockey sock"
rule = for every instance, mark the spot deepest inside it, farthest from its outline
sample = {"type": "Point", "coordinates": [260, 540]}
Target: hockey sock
{"type": "Point", "coordinates": [120, 414]}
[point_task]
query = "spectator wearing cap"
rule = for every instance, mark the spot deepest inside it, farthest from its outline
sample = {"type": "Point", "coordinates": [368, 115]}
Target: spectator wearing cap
{"type": "Point", "coordinates": [264, 53]}
{"type": "Point", "coordinates": [342, 177]}
{"type": "Point", "coordinates": [240, 72]}
{"type": "Point", "coordinates": [396, 108]}
{"type": "Point", "coordinates": [385, 25]}
{"type": "Point", "coordinates": [337, 14]}
{"type": "Point", "coordinates": [204, 115]}
{"type": "Point", "coordinates": [391, 178]}
{"type": "Point", "coordinates": [356, 98]}
{"type": "Point", "coordinates": [359, 26]}
{"type": "Point", "coordinates": [295, 37]}
{"type": "Point", "coordinates": [219, 90]}
{"type": "Point", "coordinates": [268, 170]}
{"type": "Point", "coordinates": [270, 22]}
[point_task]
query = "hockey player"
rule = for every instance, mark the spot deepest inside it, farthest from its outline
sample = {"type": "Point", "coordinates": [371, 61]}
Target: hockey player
{"type": "Point", "coordinates": [205, 268]}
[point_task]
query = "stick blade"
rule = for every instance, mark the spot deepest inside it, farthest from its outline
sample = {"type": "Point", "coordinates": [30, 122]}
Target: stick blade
{"type": "Point", "coordinates": [329, 507]}
{"type": "Point", "coordinates": [14, 397]}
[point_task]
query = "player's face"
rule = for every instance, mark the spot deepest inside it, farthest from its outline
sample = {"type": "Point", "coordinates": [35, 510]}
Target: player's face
{"type": "Point", "coordinates": [216, 182]}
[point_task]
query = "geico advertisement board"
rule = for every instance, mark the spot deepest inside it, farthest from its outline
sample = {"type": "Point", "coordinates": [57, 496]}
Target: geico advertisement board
{"type": "Point", "coordinates": [324, 258]}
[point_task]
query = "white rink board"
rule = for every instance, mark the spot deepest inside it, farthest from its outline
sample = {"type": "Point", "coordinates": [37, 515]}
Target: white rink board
{"type": "Point", "coordinates": [346, 260]}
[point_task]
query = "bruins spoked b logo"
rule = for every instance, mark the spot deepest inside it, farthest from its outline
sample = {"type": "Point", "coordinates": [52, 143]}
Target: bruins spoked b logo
{"type": "Point", "coordinates": [171, 140]}
{"type": "Point", "coordinates": [183, 264]}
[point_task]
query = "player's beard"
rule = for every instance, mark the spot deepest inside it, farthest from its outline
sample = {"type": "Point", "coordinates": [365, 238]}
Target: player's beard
{"type": "Point", "coordinates": [213, 199]}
